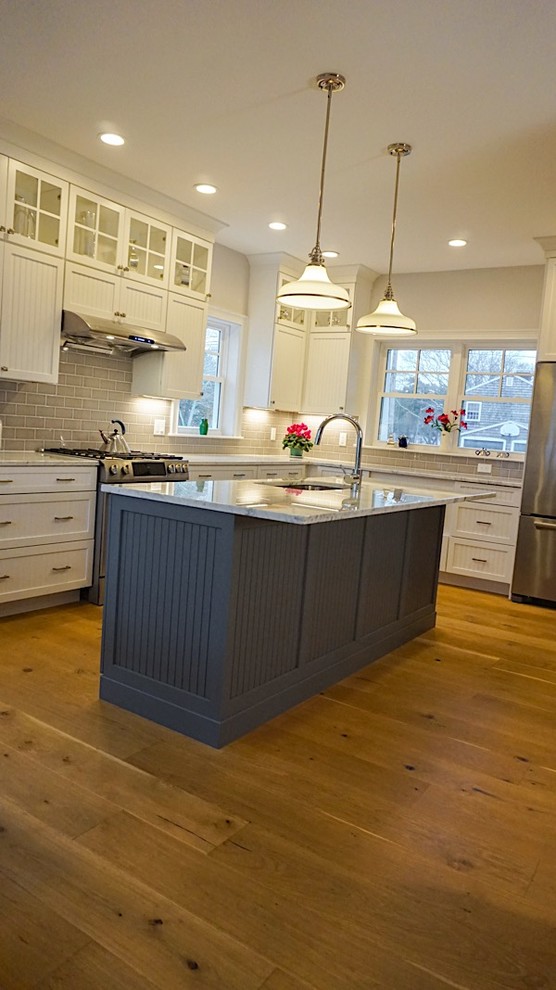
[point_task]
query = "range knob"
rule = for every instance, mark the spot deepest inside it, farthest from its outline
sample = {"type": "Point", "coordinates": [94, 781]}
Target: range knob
{"type": "Point", "coordinates": [113, 469]}
{"type": "Point", "coordinates": [170, 468]}
{"type": "Point", "coordinates": [126, 469]}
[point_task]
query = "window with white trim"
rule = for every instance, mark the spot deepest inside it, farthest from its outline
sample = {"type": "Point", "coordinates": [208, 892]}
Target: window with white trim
{"type": "Point", "coordinates": [493, 385]}
{"type": "Point", "coordinates": [218, 402]}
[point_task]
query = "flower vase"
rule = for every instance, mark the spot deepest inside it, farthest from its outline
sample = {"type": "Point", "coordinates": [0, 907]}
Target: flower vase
{"type": "Point", "coordinates": [296, 452]}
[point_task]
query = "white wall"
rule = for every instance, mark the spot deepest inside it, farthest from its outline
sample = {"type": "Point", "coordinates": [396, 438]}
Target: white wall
{"type": "Point", "coordinates": [230, 280]}
{"type": "Point", "coordinates": [474, 300]}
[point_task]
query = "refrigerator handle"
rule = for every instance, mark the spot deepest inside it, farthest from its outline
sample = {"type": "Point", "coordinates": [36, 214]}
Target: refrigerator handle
{"type": "Point", "coordinates": [544, 525]}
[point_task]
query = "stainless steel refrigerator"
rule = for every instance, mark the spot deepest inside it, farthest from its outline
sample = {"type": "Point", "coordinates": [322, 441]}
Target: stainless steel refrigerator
{"type": "Point", "coordinates": [534, 577]}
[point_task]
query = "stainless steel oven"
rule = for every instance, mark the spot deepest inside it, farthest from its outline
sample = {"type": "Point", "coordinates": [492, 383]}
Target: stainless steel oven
{"type": "Point", "coordinates": [137, 467]}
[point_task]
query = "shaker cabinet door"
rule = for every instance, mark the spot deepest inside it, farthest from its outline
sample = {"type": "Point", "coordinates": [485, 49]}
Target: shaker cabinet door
{"type": "Point", "coordinates": [31, 315]}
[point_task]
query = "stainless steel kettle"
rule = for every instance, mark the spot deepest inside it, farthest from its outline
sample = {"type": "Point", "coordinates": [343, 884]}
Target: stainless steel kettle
{"type": "Point", "coordinates": [115, 442]}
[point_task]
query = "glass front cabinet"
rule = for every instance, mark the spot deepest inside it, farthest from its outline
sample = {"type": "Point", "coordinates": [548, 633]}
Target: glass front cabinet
{"type": "Point", "coordinates": [33, 207]}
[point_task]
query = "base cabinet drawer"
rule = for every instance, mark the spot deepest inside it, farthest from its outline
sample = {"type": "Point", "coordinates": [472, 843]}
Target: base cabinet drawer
{"type": "Point", "coordinates": [23, 480]}
{"type": "Point", "coordinates": [284, 473]}
{"type": "Point", "coordinates": [222, 473]}
{"type": "Point", "coordinates": [30, 571]}
{"type": "Point", "coordinates": [493, 562]}
{"type": "Point", "coordinates": [26, 520]}
{"type": "Point", "coordinates": [472, 520]}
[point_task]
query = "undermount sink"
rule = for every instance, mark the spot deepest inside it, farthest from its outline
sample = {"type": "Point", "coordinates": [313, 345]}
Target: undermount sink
{"type": "Point", "coordinates": [305, 486]}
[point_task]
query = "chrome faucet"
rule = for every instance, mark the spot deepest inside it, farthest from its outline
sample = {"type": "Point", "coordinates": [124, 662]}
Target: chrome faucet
{"type": "Point", "coordinates": [356, 476]}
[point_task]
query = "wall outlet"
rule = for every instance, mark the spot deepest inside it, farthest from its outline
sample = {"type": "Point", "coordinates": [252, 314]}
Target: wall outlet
{"type": "Point", "coordinates": [343, 439]}
{"type": "Point", "coordinates": [273, 433]}
{"type": "Point", "coordinates": [159, 427]}
{"type": "Point", "coordinates": [484, 468]}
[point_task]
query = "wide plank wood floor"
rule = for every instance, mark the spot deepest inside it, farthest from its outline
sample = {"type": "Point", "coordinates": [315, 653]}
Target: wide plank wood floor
{"type": "Point", "coordinates": [398, 831]}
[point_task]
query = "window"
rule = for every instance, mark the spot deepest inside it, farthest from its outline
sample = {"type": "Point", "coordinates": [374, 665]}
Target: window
{"type": "Point", "coordinates": [493, 385]}
{"type": "Point", "coordinates": [219, 402]}
{"type": "Point", "coordinates": [503, 380]}
{"type": "Point", "coordinates": [192, 411]}
{"type": "Point", "coordinates": [413, 380]}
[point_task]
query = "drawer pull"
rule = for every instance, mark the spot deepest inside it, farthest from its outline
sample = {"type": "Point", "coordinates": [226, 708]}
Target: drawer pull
{"type": "Point", "coordinates": [65, 479]}
{"type": "Point", "coordinates": [238, 475]}
{"type": "Point", "coordinates": [272, 474]}
{"type": "Point", "coordinates": [205, 476]}
{"type": "Point", "coordinates": [483, 522]}
{"type": "Point", "coordinates": [6, 481]}
{"type": "Point", "coordinates": [4, 577]}
{"type": "Point", "coordinates": [480, 560]}
{"type": "Point", "coordinates": [5, 522]}
{"type": "Point", "coordinates": [62, 518]}
{"type": "Point", "coordinates": [66, 567]}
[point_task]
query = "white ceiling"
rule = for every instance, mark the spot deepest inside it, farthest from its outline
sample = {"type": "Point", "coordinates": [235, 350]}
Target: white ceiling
{"type": "Point", "coordinates": [224, 91]}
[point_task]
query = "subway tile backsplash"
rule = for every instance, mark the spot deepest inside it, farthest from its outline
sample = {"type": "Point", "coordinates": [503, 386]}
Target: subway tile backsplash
{"type": "Point", "coordinates": [94, 389]}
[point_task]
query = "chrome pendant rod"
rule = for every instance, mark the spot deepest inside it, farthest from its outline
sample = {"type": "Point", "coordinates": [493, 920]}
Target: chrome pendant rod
{"type": "Point", "coordinates": [399, 150]}
{"type": "Point", "coordinates": [332, 82]}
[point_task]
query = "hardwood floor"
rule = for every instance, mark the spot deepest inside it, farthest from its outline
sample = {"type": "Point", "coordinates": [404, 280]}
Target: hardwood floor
{"type": "Point", "coordinates": [395, 832]}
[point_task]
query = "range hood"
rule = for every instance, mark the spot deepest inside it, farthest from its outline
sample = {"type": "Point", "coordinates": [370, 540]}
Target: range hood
{"type": "Point", "coordinates": [96, 334]}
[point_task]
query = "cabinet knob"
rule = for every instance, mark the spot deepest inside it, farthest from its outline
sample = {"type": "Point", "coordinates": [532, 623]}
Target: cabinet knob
{"type": "Point", "coordinates": [119, 268]}
{"type": "Point", "coordinates": [10, 230]}
{"type": "Point", "coordinates": [2, 229]}
{"type": "Point", "coordinates": [122, 314]}
{"type": "Point", "coordinates": [3, 368]}
{"type": "Point", "coordinates": [125, 268]}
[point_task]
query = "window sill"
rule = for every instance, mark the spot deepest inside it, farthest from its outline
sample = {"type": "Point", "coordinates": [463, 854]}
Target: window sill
{"type": "Point", "coordinates": [182, 435]}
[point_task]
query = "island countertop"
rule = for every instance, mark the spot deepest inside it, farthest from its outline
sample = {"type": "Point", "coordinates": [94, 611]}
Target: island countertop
{"type": "Point", "coordinates": [286, 502]}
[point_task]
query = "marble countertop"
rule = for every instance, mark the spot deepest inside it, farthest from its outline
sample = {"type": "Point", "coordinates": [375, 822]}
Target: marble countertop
{"type": "Point", "coordinates": [289, 504]}
{"type": "Point", "coordinates": [32, 458]}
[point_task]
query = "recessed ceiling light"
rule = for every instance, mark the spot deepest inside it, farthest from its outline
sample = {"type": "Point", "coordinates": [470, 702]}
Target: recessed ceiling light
{"type": "Point", "coordinates": [457, 242]}
{"type": "Point", "coordinates": [205, 188]}
{"type": "Point", "coordinates": [114, 139]}
{"type": "Point", "coordinates": [330, 254]}
{"type": "Point", "coordinates": [277, 225]}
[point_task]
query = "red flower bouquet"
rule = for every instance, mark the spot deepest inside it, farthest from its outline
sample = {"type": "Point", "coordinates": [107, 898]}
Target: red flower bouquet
{"type": "Point", "coordinates": [443, 423]}
{"type": "Point", "coordinates": [298, 437]}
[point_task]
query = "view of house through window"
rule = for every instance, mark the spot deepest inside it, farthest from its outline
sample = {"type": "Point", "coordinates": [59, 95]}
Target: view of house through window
{"type": "Point", "coordinates": [493, 385]}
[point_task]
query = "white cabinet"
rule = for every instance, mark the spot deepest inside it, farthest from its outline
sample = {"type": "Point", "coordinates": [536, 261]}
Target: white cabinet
{"type": "Point", "coordinates": [175, 374]}
{"type": "Point", "coordinates": [31, 312]}
{"type": "Point", "coordinates": [33, 207]}
{"type": "Point", "coordinates": [288, 363]}
{"type": "Point", "coordinates": [285, 472]}
{"type": "Point", "coordinates": [113, 297]}
{"type": "Point", "coordinates": [190, 267]}
{"type": "Point", "coordinates": [231, 473]}
{"type": "Point", "coordinates": [326, 374]}
{"type": "Point", "coordinates": [46, 532]}
{"type": "Point", "coordinates": [275, 361]}
{"type": "Point", "coordinates": [480, 536]}
{"type": "Point", "coordinates": [105, 235]}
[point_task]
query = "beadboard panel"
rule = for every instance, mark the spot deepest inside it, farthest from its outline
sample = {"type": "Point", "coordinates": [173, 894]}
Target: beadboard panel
{"type": "Point", "coordinates": [267, 604]}
{"type": "Point", "coordinates": [163, 629]}
{"type": "Point", "coordinates": [333, 569]}
{"type": "Point", "coordinates": [381, 572]}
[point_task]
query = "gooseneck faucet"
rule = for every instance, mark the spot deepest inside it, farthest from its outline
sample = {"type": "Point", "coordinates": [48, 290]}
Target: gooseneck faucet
{"type": "Point", "coordinates": [356, 476]}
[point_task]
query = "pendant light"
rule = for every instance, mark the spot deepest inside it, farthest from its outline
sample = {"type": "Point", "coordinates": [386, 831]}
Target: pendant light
{"type": "Point", "coordinates": [387, 319]}
{"type": "Point", "coordinates": [314, 290]}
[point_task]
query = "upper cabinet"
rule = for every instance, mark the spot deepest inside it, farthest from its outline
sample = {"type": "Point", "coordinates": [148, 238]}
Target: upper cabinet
{"type": "Point", "coordinates": [277, 337]}
{"type": "Point", "coordinates": [106, 236]}
{"type": "Point", "coordinates": [33, 207]}
{"type": "Point", "coordinates": [120, 264]}
{"type": "Point", "coordinates": [190, 265]}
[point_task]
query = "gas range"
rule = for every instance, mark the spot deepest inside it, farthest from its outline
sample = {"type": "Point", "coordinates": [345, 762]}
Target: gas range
{"type": "Point", "coordinates": [137, 466]}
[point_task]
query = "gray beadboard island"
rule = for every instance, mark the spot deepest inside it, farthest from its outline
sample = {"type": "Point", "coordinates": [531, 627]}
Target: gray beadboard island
{"type": "Point", "coordinates": [229, 602]}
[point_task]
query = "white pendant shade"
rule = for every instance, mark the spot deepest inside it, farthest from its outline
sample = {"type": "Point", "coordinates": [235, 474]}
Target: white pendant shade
{"type": "Point", "coordinates": [314, 290]}
{"type": "Point", "coordinates": [387, 320]}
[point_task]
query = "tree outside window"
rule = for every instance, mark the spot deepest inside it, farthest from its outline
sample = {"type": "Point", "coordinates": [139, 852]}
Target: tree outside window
{"type": "Point", "coordinates": [208, 405]}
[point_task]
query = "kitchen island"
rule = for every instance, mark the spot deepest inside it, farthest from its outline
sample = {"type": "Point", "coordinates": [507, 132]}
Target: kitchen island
{"type": "Point", "coordinates": [230, 602]}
